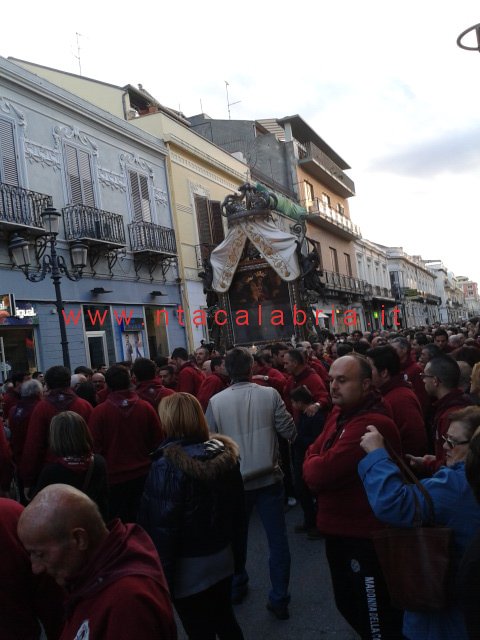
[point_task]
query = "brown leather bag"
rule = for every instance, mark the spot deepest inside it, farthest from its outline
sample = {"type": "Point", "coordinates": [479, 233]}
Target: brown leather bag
{"type": "Point", "coordinates": [416, 562]}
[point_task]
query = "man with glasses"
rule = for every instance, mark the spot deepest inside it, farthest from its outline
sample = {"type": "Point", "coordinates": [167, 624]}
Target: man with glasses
{"type": "Point", "coordinates": [344, 515]}
{"type": "Point", "coordinates": [441, 378]}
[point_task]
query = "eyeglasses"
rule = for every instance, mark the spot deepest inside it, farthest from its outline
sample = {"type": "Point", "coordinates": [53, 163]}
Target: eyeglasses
{"type": "Point", "coordinates": [453, 443]}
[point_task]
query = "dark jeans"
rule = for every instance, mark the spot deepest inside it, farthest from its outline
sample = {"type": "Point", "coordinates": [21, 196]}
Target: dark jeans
{"type": "Point", "coordinates": [124, 499]}
{"type": "Point", "coordinates": [209, 614]}
{"type": "Point", "coordinates": [270, 507]}
{"type": "Point", "coordinates": [302, 492]}
{"type": "Point", "coordinates": [360, 591]}
{"type": "Point", "coordinates": [286, 466]}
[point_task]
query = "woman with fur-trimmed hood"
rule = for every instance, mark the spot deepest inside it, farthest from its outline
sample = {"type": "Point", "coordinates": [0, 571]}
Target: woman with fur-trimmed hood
{"type": "Point", "coordinates": [193, 507]}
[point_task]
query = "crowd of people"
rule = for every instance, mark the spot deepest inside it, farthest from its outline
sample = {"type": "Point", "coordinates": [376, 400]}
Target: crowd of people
{"type": "Point", "coordinates": [128, 490]}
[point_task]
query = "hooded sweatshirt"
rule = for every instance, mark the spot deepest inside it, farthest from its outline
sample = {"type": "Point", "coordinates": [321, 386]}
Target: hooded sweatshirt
{"type": "Point", "coordinates": [125, 430]}
{"type": "Point", "coordinates": [121, 593]}
{"type": "Point", "coordinates": [153, 391]}
{"type": "Point", "coordinates": [35, 452]}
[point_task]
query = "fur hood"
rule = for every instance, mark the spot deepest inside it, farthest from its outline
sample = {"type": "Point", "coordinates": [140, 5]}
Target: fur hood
{"type": "Point", "coordinates": [204, 461]}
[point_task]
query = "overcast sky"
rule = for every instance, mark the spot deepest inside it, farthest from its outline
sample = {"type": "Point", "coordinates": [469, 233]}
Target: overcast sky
{"type": "Point", "coordinates": [383, 83]}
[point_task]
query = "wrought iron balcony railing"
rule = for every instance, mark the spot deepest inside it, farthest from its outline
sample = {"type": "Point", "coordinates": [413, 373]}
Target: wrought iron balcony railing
{"type": "Point", "coordinates": [21, 208]}
{"type": "Point", "coordinates": [348, 284]}
{"type": "Point", "coordinates": [148, 237]}
{"type": "Point", "coordinates": [320, 208]}
{"type": "Point", "coordinates": [308, 152]}
{"type": "Point", "coordinates": [93, 225]}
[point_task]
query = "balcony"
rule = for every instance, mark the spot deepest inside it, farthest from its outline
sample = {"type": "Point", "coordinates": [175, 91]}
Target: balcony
{"type": "Point", "coordinates": [146, 237]}
{"type": "Point", "coordinates": [338, 282]}
{"type": "Point", "coordinates": [381, 292]}
{"type": "Point", "coordinates": [20, 209]}
{"type": "Point", "coordinates": [320, 214]}
{"type": "Point", "coordinates": [316, 162]}
{"type": "Point", "coordinates": [94, 226]}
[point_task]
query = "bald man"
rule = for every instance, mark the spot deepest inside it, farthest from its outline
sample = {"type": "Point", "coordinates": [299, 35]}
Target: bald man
{"type": "Point", "coordinates": [113, 577]}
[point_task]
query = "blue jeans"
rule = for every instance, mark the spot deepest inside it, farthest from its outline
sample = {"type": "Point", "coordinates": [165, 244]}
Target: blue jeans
{"type": "Point", "coordinates": [270, 506]}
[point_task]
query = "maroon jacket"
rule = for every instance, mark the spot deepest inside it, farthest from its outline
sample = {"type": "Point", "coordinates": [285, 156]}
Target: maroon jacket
{"type": "Point", "coordinates": [412, 373]}
{"type": "Point", "coordinates": [453, 401]}
{"type": "Point", "coordinates": [125, 430]}
{"type": "Point", "coordinates": [18, 420]}
{"type": "Point", "coordinates": [24, 598]}
{"type": "Point", "coordinates": [330, 469]}
{"type": "Point", "coordinates": [407, 414]}
{"type": "Point", "coordinates": [6, 464]}
{"type": "Point", "coordinates": [153, 391]}
{"type": "Point", "coordinates": [318, 367]}
{"type": "Point", "coordinates": [276, 379]}
{"type": "Point", "coordinates": [189, 378]}
{"type": "Point", "coordinates": [211, 385]}
{"type": "Point", "coordinates": [314, 384]}
{"type": "Point", "coordinates": [121, 592]}
{"type": "Point", "coordinates": [35, 451]}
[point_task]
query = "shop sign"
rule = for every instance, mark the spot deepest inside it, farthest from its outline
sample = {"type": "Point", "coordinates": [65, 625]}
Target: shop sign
{"type": "Point", "coordinates": [16, 313]}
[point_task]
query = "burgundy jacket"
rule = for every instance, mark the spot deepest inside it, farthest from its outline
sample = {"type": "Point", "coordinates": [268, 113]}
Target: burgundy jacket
{"type": "Point", "coordinates": [314, 384]}
{"type": "Point", "coordinates": [35, 451]}
{"type": "Point", "coordinates": [211, 385]}
{"type": "Point", "coordinates": [189, 378]}
{"type": "Point", "coordinates": [330, 468]}
{"type": "Point", "coordinates": [318, 367]}
{"type": "Point", "coordinates": [6, 463]}
{"type": "Point", "coordinates": [276, 380]}
{"type": "Point", "coordinates": [121, 592]}
{"type": "Point", "coordinates": [407, 414]}
{"type": "Point", "coordinates": [18, 420]}
{"type": "Point", "coordinates": [153, 391]}
{"type": "Point", "coordinates": [412, 373]}
{"type": "Point", "coordinates": [24, 598]}
{"type": "Point", "coordinates": [125, 430]}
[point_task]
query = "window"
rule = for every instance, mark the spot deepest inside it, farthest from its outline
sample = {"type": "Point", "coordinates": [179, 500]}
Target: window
{"type": "Point", "coordinates": [326, 199]}
{"type": "Point", "coordinates": [79, 176]}
{"type": "Point", "coordinates": [341, 209]}
{"type": "Point", "coordinates": [308, 191]}
{"type": "Point", "coordinates": [8, 156]}
{"type": "Point", "coordinates": [348, 264]}
{"type": "Point", "coordinates": [334, 259]}
{"type": "Point", "coordinates": [140, 197]}
{"type": "Point", "coordinates": [209, 220]}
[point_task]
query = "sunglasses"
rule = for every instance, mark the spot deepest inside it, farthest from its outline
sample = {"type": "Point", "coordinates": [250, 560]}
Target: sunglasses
{"type": "Point", "coordinates": [453, 443]}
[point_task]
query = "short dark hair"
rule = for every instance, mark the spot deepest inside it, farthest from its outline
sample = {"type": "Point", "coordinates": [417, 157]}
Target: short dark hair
{"type": "Point", "coordinates": [35, 374]}
{"type": "Point", "coordinates": [301, 394]}
{"type": "Point", "coordinates": [433, 350]}
{"type": "Point", "coordinates": [297, 355]}
{"type": "Point", "coordinates": [180, 352]}
{"type": "Point", "coordinates": [362, 346]}
{"type": "Point", "coordinates": [87, 391]}
{"type": "Point", "coordinates": [364, 365]}
{"type": "Point", "coordinates": [467, 354]}
{"type": "Point", "coordinates": [238, 363]}
{"type": "Point", "coordinates": [161, 361]}
{"type": "Point", "coordinates": [86, 371]}
{"type": "Point", "coordinates": [440, 332]}
{"type": "Point", "coordinates": [18, 378]}
{"type": "Point", "coordinates": [276, 347]}
{"type": "Point", "coordinates": [385, 357]}
{"type": "Point", "coordinates": [344, 348]}
{"type": "Point", "coordinates": [403, 342]}
{"type": "Point", "coordinates": [216, 361]}
{"type": "Point", "coordinates": [57, 377]}
{"type": "Point", "coordinates": [421, 338]}
{"type": "Point", "coordinates": [446, 369]}
{"type": "Point", "coordinates": [117, 378]}
{"type": "Point", "coordinates": [263, 358]}
{"type": "Point", "coordinates": [143, 369]}
{"type": "Point", "coordinates": [169, 368]}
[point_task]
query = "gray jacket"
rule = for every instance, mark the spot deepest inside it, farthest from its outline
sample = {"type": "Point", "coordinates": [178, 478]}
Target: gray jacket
{"type": "Point", "coordinates": [252, 416]}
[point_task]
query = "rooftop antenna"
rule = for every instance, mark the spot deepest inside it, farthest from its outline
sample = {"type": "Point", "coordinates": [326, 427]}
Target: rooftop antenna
{"type": "Point", "coordinates": [78, 35]}
{"type": "Point", "coordinates": [229, 104]}
{"type": "Point", "coordinates": [201, 106]}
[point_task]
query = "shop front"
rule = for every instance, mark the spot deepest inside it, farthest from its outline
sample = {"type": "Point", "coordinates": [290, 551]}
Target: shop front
{"type": "Point", "coordinates": [18, 325]}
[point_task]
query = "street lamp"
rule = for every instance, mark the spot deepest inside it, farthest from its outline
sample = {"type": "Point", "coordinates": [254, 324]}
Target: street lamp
{"type": "Point", "coordinates": [51, 263]}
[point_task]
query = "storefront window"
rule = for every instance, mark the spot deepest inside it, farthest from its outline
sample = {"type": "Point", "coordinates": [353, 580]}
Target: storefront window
{"type": "Point", "coordinates": [156, 332]}
{"type": "Point", "coordinates": [18, 351]}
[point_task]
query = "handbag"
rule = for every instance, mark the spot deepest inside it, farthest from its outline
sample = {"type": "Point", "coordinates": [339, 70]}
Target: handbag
{"type": "Point", "coordinates": [416, 562]}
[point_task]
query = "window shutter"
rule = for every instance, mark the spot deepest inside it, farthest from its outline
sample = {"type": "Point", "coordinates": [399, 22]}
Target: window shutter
{"type": "Point", "coordinates": [216, 224]}
{"type": "Point", "coordinates": [140, 197]}
{"type": "Point", "coordinates": [79, 176]}
{"type": "Point", "coordinates": [85, 171]}
{"type": "Point", "coordinates": [8, 157]}
{"type": "Point", "coordinates": [203, 220]}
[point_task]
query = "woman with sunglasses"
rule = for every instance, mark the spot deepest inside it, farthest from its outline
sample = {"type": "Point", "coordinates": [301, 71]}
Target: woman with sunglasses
{"type": "Point", "coordinates": [394, 502]}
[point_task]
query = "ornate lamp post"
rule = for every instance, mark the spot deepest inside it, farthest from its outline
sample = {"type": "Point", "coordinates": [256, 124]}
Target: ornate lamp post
{"type": "Point", "coordinates": [51, 263]}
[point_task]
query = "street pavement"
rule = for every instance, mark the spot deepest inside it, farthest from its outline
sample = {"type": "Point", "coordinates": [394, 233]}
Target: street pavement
{"type": "Point", "coordinates": [313, 615]}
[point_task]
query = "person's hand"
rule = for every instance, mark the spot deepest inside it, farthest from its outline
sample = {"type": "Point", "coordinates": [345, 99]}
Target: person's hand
{"type": "Point", "coordinates": [418, 462]}
{"type": "Point", "coordinates": [372, 439]}
{"type": "Point", "coordinates": [312, 409]}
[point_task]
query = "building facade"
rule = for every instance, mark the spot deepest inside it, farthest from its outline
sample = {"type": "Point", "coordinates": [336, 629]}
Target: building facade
{"type": "Point", "coordinates": [110, 183]}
